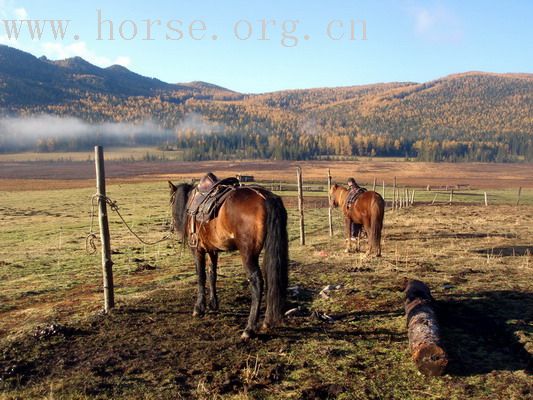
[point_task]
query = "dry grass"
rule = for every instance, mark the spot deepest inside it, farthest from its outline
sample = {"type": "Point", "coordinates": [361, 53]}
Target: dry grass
{"type": "Point", "coordinates": [125, 153]}
{"type": "Point", "coordinates": [478, 262]}
{"type": "Point", "coordinates": [16, 173]}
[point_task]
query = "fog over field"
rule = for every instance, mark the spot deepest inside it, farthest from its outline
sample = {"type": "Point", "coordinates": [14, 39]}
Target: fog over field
{"type": "Point", "coordinates": [33, 132]}
{"type": "Point", "coordinates": [26, 130]}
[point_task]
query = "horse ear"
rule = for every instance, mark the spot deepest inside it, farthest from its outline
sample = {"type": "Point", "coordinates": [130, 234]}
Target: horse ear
{"type": "Point", "coordinates": [171, 186]}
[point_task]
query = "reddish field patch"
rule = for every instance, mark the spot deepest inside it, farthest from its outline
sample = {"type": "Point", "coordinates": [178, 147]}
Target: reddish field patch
{"type": "Point", "coordinates": [62, 175]}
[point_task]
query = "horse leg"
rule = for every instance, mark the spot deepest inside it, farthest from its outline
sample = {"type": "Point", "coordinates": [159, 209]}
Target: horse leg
{"type": "Point", "coordinates": [213, 299]}
{"type": "Point", "coordinates": [378, 250]}
{"type": "Point", "coordinates": [348, 233]}
{"type": "Point", "coordinates": [355, 231]}
{"type": "Point", "coordinates": [255, 278]}
{"type": "Point", "coordinates": [199, 258]}
{"type": "Point", "coordinates": [368, 230]}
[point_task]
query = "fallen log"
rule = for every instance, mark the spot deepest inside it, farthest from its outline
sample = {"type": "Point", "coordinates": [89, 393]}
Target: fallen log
{"type": "Point", "coordinates": [423, 329]}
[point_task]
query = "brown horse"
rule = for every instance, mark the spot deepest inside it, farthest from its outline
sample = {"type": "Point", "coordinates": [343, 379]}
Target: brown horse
{"type": "Point", "coordinates": [250, 220]}
{"type": "Point", "coordinates": [368, 210]}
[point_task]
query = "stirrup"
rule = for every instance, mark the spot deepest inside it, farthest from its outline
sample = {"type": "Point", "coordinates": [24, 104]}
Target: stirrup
{"type": "Point", "coordinates": [193, 240]}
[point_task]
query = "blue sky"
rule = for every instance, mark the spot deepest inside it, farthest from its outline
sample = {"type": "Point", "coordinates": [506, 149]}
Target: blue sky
{"type": "Point", "coordinates": [406, 40]}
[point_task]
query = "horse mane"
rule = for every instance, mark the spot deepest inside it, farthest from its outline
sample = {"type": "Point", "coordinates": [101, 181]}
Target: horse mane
{"type": "Point", "coordinates": [179, 200]}
{"type": "Point", "coordinates": [338, 190]}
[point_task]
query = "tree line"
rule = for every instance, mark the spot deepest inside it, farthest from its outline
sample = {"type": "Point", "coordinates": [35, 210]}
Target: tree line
{"type": "Point", "coordinates": [464, 118]}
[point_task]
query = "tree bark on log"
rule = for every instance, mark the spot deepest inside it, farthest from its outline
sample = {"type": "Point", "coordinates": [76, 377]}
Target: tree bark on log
{"type": "Point", "coordinates": [423, 329]}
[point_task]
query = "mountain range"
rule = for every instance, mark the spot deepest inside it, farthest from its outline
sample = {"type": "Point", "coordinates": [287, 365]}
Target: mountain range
{"type": "Point", "coordinates": [465, 107]}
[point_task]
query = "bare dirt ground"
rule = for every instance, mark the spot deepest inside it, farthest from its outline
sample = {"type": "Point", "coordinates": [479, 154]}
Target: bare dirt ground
{"type": "Point", "coordinates": [36, 175]}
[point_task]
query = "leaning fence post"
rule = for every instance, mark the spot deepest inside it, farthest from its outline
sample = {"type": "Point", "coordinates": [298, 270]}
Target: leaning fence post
{"type": "Point", "coordinates": [301, 205]}
{"type": "Point", "coordinates": [330, 216]}
{"type": "Point", "coordinates": [518, 198]}
{"type": "Point", "coordinates": [107, 264]}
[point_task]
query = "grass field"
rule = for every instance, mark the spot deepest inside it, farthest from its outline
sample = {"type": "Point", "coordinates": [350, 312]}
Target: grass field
{"type": "Point", "coordinates": [56, 344]}
{"type": "Point", "coordinates": [38, 171]}
{"type": "Point", "coordinates": [117, 153]}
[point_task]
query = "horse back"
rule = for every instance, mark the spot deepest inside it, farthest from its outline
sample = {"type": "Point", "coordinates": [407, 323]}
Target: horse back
{"type": "Point", "coordinates": [240, 222]}
{"type": "Point", "coordinates": [365, 202]}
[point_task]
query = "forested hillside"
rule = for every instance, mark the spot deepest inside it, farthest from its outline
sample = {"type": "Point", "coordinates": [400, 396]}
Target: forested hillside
{"type": "Point", "coordinates": [465, 117]}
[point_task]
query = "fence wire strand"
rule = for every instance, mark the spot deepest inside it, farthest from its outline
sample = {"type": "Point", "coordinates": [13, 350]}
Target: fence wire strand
{"type": "Point", "coordinates": [90, 245]}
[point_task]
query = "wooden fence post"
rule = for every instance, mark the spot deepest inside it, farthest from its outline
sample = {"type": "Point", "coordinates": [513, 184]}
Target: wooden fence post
{"type": "Point", "coordinates": [486, 200]}
{"type": "Point", "coordinates": [394, 194]}
{"type": "Point", "coordinates": [383, 194]}
{"type": "Point", "coordinates": [413, 197]}
{"type": "Point", "coordinates": [374, 185]}
{"type": "Point", "coordinates": [330, 216]}
{"type": "Point", "coordinates": [301, 205]}
{"type": "Point", "coordinates": [107, 264]}
{"type": "Point", "coordinates": [518, 198]}
{"type": "Point", "coordinates": [451, 196]}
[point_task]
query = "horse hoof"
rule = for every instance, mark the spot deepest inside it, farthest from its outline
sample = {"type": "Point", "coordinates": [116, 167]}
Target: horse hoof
{"type": "Point", "coordinates": [198, 313]}
{"type": "Point", "coordinates": [213, 306]}
{"type": "Point", "coordinates": [247, 335]}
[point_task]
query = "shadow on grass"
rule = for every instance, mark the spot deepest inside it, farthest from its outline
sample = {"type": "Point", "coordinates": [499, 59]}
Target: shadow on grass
{"type": "Point", "coordinates": [474, 235]}
{"type": "Point", "coordinates": [450, 235]}
{"type": "Point", "coordinates": [479, 332]}
{"type": "Point", "coordinates": [507, 251]}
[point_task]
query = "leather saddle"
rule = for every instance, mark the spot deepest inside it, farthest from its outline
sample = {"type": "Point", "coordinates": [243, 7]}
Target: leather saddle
{"type": "Point", "coordinates": [208, 197]}
{"type": "Point", "coordinates": [354, 195]}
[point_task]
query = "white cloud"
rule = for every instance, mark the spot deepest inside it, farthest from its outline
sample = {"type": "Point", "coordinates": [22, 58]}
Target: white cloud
{"type": "Point", "coordinates": [4, 39]}
{"type": "Point", "coordinates": [123, 60]}
{"type": "Point", "coordinates": [20, 13]}
{"type": "Point", "coordinates": [436, 23]}
{"type": "Point", "coordinates": [423, 20]}
{"type": "Point", "coordinates": [5, 8]}
{"type": "Point", "coordinates": [53, 50]}
{"type": "Point", "coordinates": [58, 50]}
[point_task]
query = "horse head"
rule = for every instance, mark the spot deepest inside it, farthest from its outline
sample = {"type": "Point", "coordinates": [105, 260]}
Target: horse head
{"type": "Point", "coordinates": [179, 196]}
{"type": "Point", "coordinates": [333, 192]}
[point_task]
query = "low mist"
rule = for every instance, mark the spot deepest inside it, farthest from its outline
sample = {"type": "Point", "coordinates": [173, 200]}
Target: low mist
{"type": "Point", "coordinates": [198, 125]}
{"type": "Point", "coordinates": [55, 133]}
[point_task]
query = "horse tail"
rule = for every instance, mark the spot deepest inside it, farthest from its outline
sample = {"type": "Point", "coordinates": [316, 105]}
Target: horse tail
{"type": "Point", "coordinates": [275, 259]}
{"type": "Point", "coordinates": [377, 212]}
